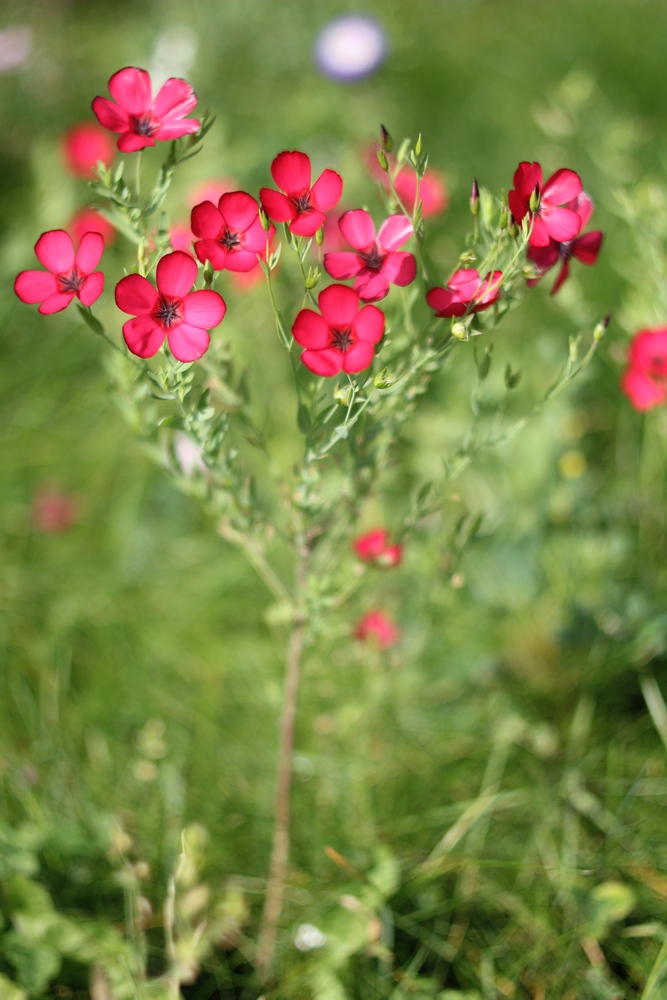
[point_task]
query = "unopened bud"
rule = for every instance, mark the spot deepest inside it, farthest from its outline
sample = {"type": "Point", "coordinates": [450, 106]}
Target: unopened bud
{"type": "Point", "coordinates": [264, 220]}
{"type": "Point", "coordinates": [208, 274]}
{"type": "Point", "coordinates": [468, 257]}
{"type": "Point", "coordinates": [382, 380]}
{"type": "Point", "coordinates": [511, 378]}
{"type": "Point", "coordinates": [419, 145]}
{"type": "Point", "coordinates": [319, 236]}
{"type": "Point", "coordinates": [504, 219]}
{"type": "Point", "coordinates": [534, 202]}
{"type": "Point", "coordinates": [342, 394]}
{"type": "Point", "coordinates": [312, 277]}
{"type": "Point", "coordinates": [387, 141]}
{"type": "Point", "coordinates": [601, 328]}
{"type": "Point", "coordinates": [382, 159]}
{"type": "Point", "coordinates": [512, 227]}
{"type": "Point", "coordinates": [485, 364]}
{"type": "Point", "coordinates": [460, 331]}
{"type": "Point", "coordinates": [474, 197]}
{"type": "Point", "coordinates": [530, 272]}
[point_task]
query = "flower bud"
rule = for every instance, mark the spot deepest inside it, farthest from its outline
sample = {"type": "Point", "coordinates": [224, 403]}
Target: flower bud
{"type": "Point", "coordinates": [474, 197]}
{"type": "Point", "coordinates": [459, 330]}
{"type": "Point", "coordinates": [504, 219]}
{"type": "Point", "coordinates": [511, 378]}
{"type": "Point", "coordinates": [264, 219]}
{"type": "Point", "coordinates": [512, 227]}
{"type": "Point", "coordinates": [319, 236]}
{"type": "Point", "coordinates": [534, 202]}
{"type": "Point", "coordinates": [601, 328]}
{"type": "Point", "coordinates": [530, 272]}
{"type": "Point", "coordinates": [419, 145]}
{"type": "Point", "coordinates": [342, 394]}
{"type": "Point", "coordinates": [312, 277]}
{"type": "Point", "coordinates": [387, 141]}
{"type": "Point", "coordinates": [382, 159]}
{"type": "Point", "coordinates": [468, 257]}
{"type": "Point", "coordinates": [382, 380]}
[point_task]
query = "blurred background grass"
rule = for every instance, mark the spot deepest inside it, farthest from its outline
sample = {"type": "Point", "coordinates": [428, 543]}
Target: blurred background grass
{"type": "Point", "coordinates": [138, 624]}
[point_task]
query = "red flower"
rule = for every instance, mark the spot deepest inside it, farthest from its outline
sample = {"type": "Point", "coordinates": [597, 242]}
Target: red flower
{"type": "Point", "coordinates": [169, 311]}
{"type": "Point", "coordinates": [139, 118]}
{"type": "Point", "coordinates": [465, 292]}
{"type": "Point", "coordinates": [378, 629]}
{"type": "Point", "coordinates": [231, 235]}
{"type": "Point", "coordinates": [68, 274]}
{"type": "Point", "coordinates": [343, 337]}
{"type": "Point", "coordinates": [549, 222]}
{"type": "Point", "coordinates": [87, 220]}
{"type": "Point", "coordinates": [53, 510]}
{"type": "Point", "coordinates": [297, 202]}
{"type": "Point", "coordinates": [374, 547]}
{"type": "Point", "coordinates": [644, 381]}
{"type": "Point", "coordinates": [584, 248]}
{"type": "Point", "coordinates": [83, 145]}
{"type": "Point", "coordinates": [377, 262]}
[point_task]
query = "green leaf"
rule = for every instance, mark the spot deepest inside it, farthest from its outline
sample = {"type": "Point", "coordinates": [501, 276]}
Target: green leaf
{"type": "Point", "coordinates": [303, 419]}
{"type": "Point", "coordinates": [91, 321]}
{"type": "Point", "coordinates": [10, 990]}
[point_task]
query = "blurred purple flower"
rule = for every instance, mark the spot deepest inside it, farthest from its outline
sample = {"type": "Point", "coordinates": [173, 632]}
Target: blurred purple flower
{"type": "Point", "coordinates": [15, 48]}
{"type": "Point", "coordinates": [350, 47]}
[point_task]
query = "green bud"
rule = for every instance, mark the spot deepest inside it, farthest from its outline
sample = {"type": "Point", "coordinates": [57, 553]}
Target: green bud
{"type": "Point", "coordinates": [504, 219]}
{"type": "Point", "coordinates": [512, 379]}
{"type": "Point", "coordinates": [382, 380]}
{"type": "Point", "coordinates": [601, 328]}
{"type": "Point", "coordinates": [534, 202]}
{"type": "Point", "coordinates": [208, 274]}
{"type": "Point", "coordinates": [419, 145]}
{"type": "Point", "coordinates": [474, 197]}
{"type": "Point", "coordinates": [467, 257]}
{"type": "Point", "coordinates": [530, 272]}
{"type": "Point", "coordinates": [459, 330]}
{"type": "Point", "coordinates": [512, 227]}
{"type": "Point", "coordinates": [342, 394]}
{"type": "Point", "coordinates": [319, 236]}
{"type": "Point", "coordinates": [264, 219]}
{"type": "Point", "coordinates": [387, 141]}
{"type": "Point", "coordinates": [312, 277]}
{"type": "Point", "coordinates": [382, 159]}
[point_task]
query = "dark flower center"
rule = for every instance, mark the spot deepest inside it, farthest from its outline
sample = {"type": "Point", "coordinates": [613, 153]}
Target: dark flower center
{"type": "Point", "coordinates": [168, 312]}
{"type": "Point", "coordinates": [72, 282]}
{"type": "Point", "coordinates": [302, 203]}
{"type": "Point", "coordinates": [230, 240]}
{"type": "Point", "coordinates": [144, 125]}
{"type": "Point", "coordinates": [342, 339]}
{"type": "Point", "coordinates": [373, 259]}
{"type": "Point", "coordinates": [564, 250]}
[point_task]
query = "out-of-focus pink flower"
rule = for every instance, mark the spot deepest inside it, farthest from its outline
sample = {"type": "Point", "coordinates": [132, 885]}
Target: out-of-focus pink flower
{"type": "Point", "coordinates": [343, 338]}
{"type": "Point", "coordinates": [171, 310]}
{"type": "Point", "coordinates": [375, 547]}
{"type": "Point", "coordinates": [297, 202]}
{"type": "Point", "coordinates": [433, 192]}
{"type": "Point", "coordinates": [83, 145]}
{"type": "Point", "coordinates": [67, 275]}
{"type": "Point", "coordinates": [230, 236]}
{"type": "Point", "coordinates": [550, 219]}
{"type": "Point", "coordinates": [53, 510]}
{"type": "Point", "coordinates": [181, 237]}
{"type": "Point", "coordinates": [377, 261]}
{"type": "Point", "coordinates": [212, 190]}
{"type": "Point", "coordinates": [584, 248]}
{"type": "Point", "coordinates": [465, 292]}
{"type": "Point", "coordinates": [377, 629]}
{"type": "Point", "coordinates": [139, 118]}
{"type": "Point", "coordinates": [644, 381]}
{"type": "Point", "coordinates": [87, 220]}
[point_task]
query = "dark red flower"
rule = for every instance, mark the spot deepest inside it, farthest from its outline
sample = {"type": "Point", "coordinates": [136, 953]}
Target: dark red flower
{"type": "Point", "coordinates": [171, 310]}
{"type": "Point", "coordinates": [140, 119]}
{"type": "Point", "coordinates": [644, 381]}
{"type": "Point", "coordinates": [375, 547]}
{"type": "Point", "coordinates": [465, 292]}
{"type": "Point", "coordinates": [83, 146]}
{"type": "Point", "coordinates": [584, 248]}
{"type": "Point", "coordinates": [230, 236]}
{"type": "Point", "coordinates": [343, 337]}
{"type": "Point", "coordinates": [67, 275]}
{"type": "Point", "coordinates": [548, 220]}
{"type": "Point", "coordinates": [297, 202]}
{"type": "Point", "coordinates": [377, 629]}
{"type": "Point", "coordinates": [377, 262]}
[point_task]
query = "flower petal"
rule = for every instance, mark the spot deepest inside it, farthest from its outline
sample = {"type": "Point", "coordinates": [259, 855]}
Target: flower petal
{"type": "Point", "coordinates": [204, 308]}
{"type": "Point", "coordinates": [130, 142]}
{"type": "Point", "coordinates": [55, 251]}
{"type": "Point", "coordinates": [92, 288]}
{"type": "Point", "coordinates": [311, 330]}
{"type": "Point", "coordinates": [175, 129]}
{"type": "Point", "coordinates": [394, 231]}
{"type": "Point", "coordinates": [143, 336]}
{"type": "Point", "coordinates": [327, 362]}
{"type": "Point", "coordinates": [135, 295]}
{"type": "Point", "coordinates": [587, 247]}
{"type": "Point", "coordinates": [583, 206]}
{"type": "Point", "coordinates": [254, 238]}
{"type": "Point", "coordinates": [562, 186]}
{"type": "Point", "coordinates": [176, 274]}
{"type": "Point", "coordinates": [35, 286]}
{"type": "Point", "coordinates": [526, 176]}
{"type": "Point", "coordinates": [339, 305]}
{"type": "Point", "coordinates": [175, 99]}
{"type": "Point", "coordinates": [369, 325]}
{"type": "Point", "coordinates": [358, 357]}
{"type": "Point", "coordinates": [211, 250]}
{"type": "Point", "coordinates": [131, 89]}
{"type": "Point", "coordinates": [544, 257]}
{"type": "Point", "coordinates": [277, 206]}
{"type": "Point", "coordinates": [371, 286]}
{"type": "Point", "coordinates": [539, 234]}
{"type": "Point", "coordinates": [55, 303]}
{"type": "Point", "coordinates": [327, 190]}
{"type": "Point", "coordinates": [445, 302]}
{"type": "Point", "coordinates": [291, 172]}
{"type": "Point", "coordinates": [241, 261]}
{"type": "Point", "coordinates": [239, 210]}
{"type": "Point", "coordinates": [400, 267]}
{"type": "Point", "coordinates": [89, 253]}
{"type": "Point", "coordinates": [358, 228]}
{"type": "Point", "coordinates": [518, 205]}
{"type": "Point", "coordinates": [342, 265]}
{"type": "Point", "coordinates": [188, 343]}
{"type": "Point", "coordinates": [562, 224]}
{"type": "Point", "coordinates": [206, 221]}
{"type": "Point", "coordinates": [642, 391]}
{"type": "Point", "coordinates": [564, 272]}
{"type": "Point", "coordinates": [110, 115]}
{"type": "Point", "coordinates": [308, 223]}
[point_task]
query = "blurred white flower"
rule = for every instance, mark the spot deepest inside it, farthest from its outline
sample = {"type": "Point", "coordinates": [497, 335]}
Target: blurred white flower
{"type": "Point", "coordinates": [350, 47]}
{"type": "Point", "coordinates": [15, 48]}
{"type": "Point", "coordinates": [188, 455]}
{"type": "Point", "coordinates": [308, 937]}
{"type": "Point", "coordinates": [174, 54]}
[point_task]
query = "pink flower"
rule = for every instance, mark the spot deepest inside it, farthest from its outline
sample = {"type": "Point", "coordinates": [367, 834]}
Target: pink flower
{"type": "Point", "coordinates": [230, 236]}
{"type": "Point", "coordinates": [377, 262]}
{"type": "Point", "coordinates": [297, 202]}
{"type": "Point", "coordinates": [377, 629]}
{"type": "Point", "coordinates": [140, 119]}
{"type": "Point", "coordinates": [465, 292]}
{"type": "Point", "coordinates": [170, 311]}
{"type": "Point", "coordinates": [343, 337]}
{"type": "Point", "coordinates": [67, 275]}
{"type": "Point", "coordinates": [584, 248]}
{"type": "Point", "coordinates": [212, 190]}
{"type": "Point", "coordinates": [83, 145]}
{"type": "Point", "coordinates": [374, 547]}
{"type": "Point", "coordinates": [549, 222]}
{"type": "Point", "coordinates": [644, 381]}
{"type": "Point", "coordinates": [180, 237]}
{"type": "Point", "coordinates": [53, 510]}
{"type": "Point", "coordinates": [87, 220]}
